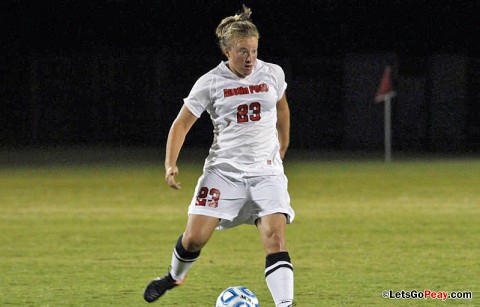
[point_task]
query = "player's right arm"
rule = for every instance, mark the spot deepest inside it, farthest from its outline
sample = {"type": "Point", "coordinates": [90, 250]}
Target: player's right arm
{"type": "Point", "coordinates": [178, 131]}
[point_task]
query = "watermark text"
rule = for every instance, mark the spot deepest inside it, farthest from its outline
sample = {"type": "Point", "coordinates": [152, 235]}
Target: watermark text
{"type": "Point", "coordinates": [426, 294]}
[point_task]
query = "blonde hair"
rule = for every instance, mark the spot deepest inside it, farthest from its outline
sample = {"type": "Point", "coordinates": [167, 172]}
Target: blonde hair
{"type": "Point", "coordinates": [232, 27]}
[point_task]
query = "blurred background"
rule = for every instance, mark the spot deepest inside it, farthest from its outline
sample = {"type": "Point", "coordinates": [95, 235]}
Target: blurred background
{"type": "Point", "coordinates": [114, 73]}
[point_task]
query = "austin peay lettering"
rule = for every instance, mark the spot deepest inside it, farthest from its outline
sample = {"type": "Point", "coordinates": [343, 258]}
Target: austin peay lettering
{"type": "Point", "coordinates": [243, 90]}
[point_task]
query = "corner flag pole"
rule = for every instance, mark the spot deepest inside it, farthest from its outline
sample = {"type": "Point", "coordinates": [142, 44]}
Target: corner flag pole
{"type": "Point", "coordinates": [385, 93]}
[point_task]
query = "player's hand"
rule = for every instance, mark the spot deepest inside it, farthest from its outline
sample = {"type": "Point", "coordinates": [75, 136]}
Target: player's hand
{"type": "Point", "coordinates": [170, 174]}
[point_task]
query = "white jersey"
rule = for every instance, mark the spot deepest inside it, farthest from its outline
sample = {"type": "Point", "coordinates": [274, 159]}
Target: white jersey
{"type": "Point", "coordinates": [244, 116]}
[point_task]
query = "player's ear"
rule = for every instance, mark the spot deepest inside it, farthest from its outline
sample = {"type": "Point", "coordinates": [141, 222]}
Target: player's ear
{"type": "Point", "coordinates": [226, 52]}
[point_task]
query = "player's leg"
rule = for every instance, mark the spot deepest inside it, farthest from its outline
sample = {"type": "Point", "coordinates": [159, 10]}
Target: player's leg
{"type": "Point", "coordinates": [278, 267]}
{"type": "Point", "coordinates": [272, 232]}
{"type": "Point", "coordinates": [187, 250]}
{"type": "Point", "coordinates": [204, 213]}
{"type": "Point", "coordinates": [270, 194]}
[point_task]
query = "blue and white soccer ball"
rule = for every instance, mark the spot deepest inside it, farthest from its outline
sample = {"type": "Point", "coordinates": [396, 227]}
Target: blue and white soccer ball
{"type": "Point", "coordinates": [237, 297]}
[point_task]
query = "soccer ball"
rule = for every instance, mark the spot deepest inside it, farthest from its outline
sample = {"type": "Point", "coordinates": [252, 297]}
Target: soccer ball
{"type": "Point", "coordinates": [237, 297]}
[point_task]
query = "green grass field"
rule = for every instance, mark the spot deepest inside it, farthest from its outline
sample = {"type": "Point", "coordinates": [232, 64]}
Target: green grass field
{"type": "Point", "coordinates": [94, 233]}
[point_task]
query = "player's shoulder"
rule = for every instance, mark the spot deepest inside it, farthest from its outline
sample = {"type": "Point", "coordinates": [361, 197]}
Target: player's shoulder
{"type": "Point", "coordinates": [207, 78]}
{"type": "Point", "coordinates": [214, 73]}
{"type": "Point", "coordinates": [271, 67]}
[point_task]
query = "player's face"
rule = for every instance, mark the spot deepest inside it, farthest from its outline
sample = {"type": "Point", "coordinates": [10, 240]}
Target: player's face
{"type": "Point", "coordinates": [242, 56]}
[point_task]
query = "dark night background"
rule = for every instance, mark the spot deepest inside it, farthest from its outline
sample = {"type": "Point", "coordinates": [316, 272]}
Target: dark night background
{"type": "Point", "coordinates": [114, 72]}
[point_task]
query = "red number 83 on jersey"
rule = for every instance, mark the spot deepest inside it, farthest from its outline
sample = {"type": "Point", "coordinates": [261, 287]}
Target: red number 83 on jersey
{"type": "Point", "coordinates": [242, 112]}
{"type": "Point", "coordinates": [208, 197]}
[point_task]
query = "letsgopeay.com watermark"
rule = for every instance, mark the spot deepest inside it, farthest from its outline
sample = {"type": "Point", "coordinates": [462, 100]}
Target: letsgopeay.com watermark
{"type": "Point", "coordinates": [427, 294]}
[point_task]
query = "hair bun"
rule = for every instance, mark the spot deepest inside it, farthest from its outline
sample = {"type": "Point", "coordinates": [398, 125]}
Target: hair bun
{"type": "Point", "coordinates": [245, 15]}
{"type": "Point", "coordinates": [238, 24]}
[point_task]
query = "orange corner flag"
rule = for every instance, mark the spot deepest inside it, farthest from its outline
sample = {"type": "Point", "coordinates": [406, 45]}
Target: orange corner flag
{"type": "Point", "coordinates": [385, 89]}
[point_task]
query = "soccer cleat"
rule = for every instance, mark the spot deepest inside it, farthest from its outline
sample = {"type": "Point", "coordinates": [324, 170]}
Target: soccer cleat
{"type": "Point", "coordinates": [157, 287]}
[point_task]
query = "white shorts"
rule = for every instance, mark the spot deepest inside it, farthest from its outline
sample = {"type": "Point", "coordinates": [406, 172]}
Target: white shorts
{"type": "Point", "coordinates": [236, 198]}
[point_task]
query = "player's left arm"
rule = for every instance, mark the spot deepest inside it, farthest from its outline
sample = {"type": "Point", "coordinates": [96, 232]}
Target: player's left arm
{"type": "Point", "coordinates": [283, 124]}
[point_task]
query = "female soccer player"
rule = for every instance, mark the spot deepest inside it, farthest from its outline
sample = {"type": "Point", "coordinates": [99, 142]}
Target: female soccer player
{"type": "Point", "coordinates": [243, 180]}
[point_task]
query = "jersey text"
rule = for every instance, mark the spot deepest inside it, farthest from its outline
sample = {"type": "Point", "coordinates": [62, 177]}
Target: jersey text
{"type": "Point", "coordinates": [259, 88]}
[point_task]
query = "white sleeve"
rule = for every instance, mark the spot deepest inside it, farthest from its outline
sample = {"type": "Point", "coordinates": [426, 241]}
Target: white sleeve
{"type": "Point", "coordinates": [280, 79]}
{"type": "Point", "coordinates": [199, 96]}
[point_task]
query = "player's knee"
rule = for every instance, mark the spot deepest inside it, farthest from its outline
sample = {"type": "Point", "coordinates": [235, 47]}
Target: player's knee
{"type": "Point", "coordinates": [274, 242]}
{"type": "Point", "coordinates": [192, 243]}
